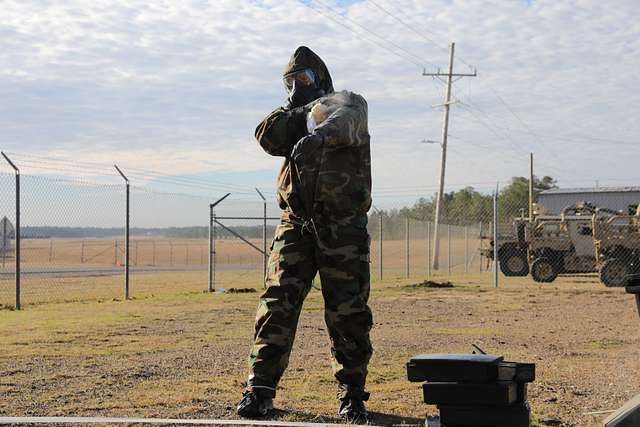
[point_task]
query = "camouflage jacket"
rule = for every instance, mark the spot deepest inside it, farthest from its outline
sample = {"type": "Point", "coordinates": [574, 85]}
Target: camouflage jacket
{"type": "Point", "coordinates": [327, 173]}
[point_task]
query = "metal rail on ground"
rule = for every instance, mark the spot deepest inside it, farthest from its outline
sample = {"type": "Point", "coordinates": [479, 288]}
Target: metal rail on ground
{"type": "Point", "coordinates": [156, 421]}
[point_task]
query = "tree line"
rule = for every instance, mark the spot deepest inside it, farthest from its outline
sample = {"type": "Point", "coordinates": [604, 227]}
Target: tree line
{"type": "Point", "coordinates": [463, 207]}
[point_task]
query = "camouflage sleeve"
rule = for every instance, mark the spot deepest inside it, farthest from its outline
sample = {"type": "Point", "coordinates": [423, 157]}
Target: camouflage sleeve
{"type": "Point", "coordinates": [347, 125]}
{"type": "Point", "coordinates": [281, 129]}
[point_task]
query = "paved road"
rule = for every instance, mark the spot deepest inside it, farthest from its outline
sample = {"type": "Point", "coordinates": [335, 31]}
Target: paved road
{"type": "Point", "coordinates": [62, 271]}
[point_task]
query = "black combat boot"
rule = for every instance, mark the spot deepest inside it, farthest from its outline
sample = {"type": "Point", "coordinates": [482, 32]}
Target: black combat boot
{"type": "Point", "coordinates": [352, 407]}
{"type": "Point", "coordinates": [255, 404]}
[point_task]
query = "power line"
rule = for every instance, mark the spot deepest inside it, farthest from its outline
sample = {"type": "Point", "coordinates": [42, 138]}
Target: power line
{"type": "Point", "coordinates": [537, 135]}
{"type": "Point", "coordinates": [489, 127]}
{"type": "Point", "coordinates": [513, 145]}
{"type": "Point", "coordinates": [413, 29]}
{"type": "Point", "coordinates": [409, 17]}
{"type": "Point", "coordinates": [493, 90]}
{"type": "Point", "coordinates": [506, 105]}
{"type": "Point", "coordinates": [406, 56]}
{"type": "Point", "coordinates": [513, 113]}
{"type": "Point", "coordinates": [375, 34]}
{"type": "Point", "coordinates": [410, 27]}
{"type": "Point", "coordinates": [568, 138]}
{"type": "Point", "coordinates": [492, 126]}
{"type": "Point", "coordinates": [428, 39]}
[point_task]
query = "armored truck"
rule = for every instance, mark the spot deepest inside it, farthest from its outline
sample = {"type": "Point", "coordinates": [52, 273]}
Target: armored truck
{"type": "Point", "coordinates": [549, 245]}
{"type": "Point", "coordinates": [617, 247]}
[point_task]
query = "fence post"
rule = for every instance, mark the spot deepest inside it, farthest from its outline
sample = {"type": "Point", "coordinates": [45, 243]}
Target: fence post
{"type": "Point", "coordinates": [153, 253]}
{"type": "Point", "coordinates": [264, 240]}
{"type": "Point", "coordinates": [428, 249]}
{"type": "Point", "coordinates": [17, 228]}
{"type": "Point", "coordinates": [212, 245]}
{"type": "Point", "coordinates": [495, 237]}
{"type": "Point", "coordinates": [480, 258]}
{"type": "Point", "coordinates": [115, 252]}
{"type": "Point", "coordinates": [213, 255]}
{"type": "Point", "coordinates": [50, 250]}
{"type": "Point", "coordinates": [187, 253]}
{"type": "Point", "coordinates": [126, 236]}
{"type": "Point", "coordinates": [449, 249]}
{"type": "Point", "coordinates": [210, 263]}
{"type": "Point", "coordinates": [5, 241]}
{"type": "Point", "coordinates": [170, 253]}
{"type": "Point", "coordinates": [380, 269]}
{"type": "Point", "coordinates": [466, 249]}
{"type": "Point", "coordinates": [82, 252]}
{"type": "Point", "coordinates": [408, 266]}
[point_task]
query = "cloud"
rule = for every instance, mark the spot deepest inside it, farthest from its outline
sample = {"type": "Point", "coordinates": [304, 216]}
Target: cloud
{"type": "Point", "coordinates": [180, 85]}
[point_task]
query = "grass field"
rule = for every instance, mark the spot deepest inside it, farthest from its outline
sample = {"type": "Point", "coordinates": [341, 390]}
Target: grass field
{"type": "Point", "coordinates": [160, 251]}
{"type": "Point", "coordinates": [110, 251]}
{"type": "Point", "coordinates": [182, 353]}
{"type": "Point", "coordinates": [237, 265]}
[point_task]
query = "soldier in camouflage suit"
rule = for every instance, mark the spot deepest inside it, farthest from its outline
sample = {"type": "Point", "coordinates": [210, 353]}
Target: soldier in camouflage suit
{"type": "Point", "coordinates": [324, 190]}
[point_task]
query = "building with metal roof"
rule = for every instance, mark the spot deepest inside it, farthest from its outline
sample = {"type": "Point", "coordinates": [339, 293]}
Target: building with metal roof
{"type": "Point", "coordinates": [623, 199]}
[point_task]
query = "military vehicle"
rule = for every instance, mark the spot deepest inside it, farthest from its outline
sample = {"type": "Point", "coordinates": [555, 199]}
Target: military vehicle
{"type": "Point", "coordinates": [512, 250]}
{"type": "Point", "coordinates": [549, 245]}
{"type": "Point", "coordinates": [617, 246]}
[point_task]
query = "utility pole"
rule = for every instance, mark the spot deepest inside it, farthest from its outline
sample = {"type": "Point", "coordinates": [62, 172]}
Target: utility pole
{"type": "Point", "coordinates": [531, 187]}
{"type": "Point", "coordinates": [445, 131]}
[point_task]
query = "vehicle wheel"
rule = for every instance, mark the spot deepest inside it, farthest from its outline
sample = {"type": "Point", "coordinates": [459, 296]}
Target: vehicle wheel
{"type": "Point", "coordinates": [543, 270]}
{"type": "Point", "coordinates": [514, 263]}
{"type": "Point", "coordinates": [614, 273]}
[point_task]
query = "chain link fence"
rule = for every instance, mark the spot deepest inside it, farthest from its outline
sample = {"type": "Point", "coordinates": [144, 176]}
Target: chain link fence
{"type": "Point", "coordinates": [402, 247]}
{"type": "Point", "coordinates": [73, 244]}
{"type": "Point", "coordinates": [241, 241]}
{"type": "Point", "coordinates": [64, 255]}
{"type": "Point", "coordinates": [7, 239]}
{"type": "Point", "coordinates": [168, 245]}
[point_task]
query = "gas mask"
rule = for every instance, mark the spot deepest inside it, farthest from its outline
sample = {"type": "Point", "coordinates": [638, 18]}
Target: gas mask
{"type": "Point", "coordinates": [302, 87]}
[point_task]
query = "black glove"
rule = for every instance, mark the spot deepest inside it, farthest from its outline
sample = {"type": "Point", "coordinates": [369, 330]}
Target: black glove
{"type": "Point", "coordinates": [297, 124]}
{"type": "Point", "coordinates": [302, 94]}
{"type": "Point", "coordinates": [306, 147]}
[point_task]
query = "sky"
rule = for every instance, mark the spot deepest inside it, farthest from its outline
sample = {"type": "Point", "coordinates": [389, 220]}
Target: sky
{"type": "Point", "coordinates": [177, 87]}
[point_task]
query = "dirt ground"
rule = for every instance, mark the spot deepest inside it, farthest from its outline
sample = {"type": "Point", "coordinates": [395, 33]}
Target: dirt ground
{"type": "Point", "coordinates": [184, 354]}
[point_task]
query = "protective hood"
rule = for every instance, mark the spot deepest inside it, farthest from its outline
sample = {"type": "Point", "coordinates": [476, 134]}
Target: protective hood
{"type": "Point", "coordinates": [304, 58]}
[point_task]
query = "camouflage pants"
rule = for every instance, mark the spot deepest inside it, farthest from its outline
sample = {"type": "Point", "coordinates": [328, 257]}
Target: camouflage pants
{"type": "Point", "coordinates": [340, 253]}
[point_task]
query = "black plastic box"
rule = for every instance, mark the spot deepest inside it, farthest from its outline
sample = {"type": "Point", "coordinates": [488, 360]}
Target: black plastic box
{"type": "Point", "coordinates": [473, 368]}
{"type": "Point", "coordinates": [476, 368]}
{"type": "Point", "coordinates": [468, 394]}
{"type": "Point", "coordinates": [517, 415]}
